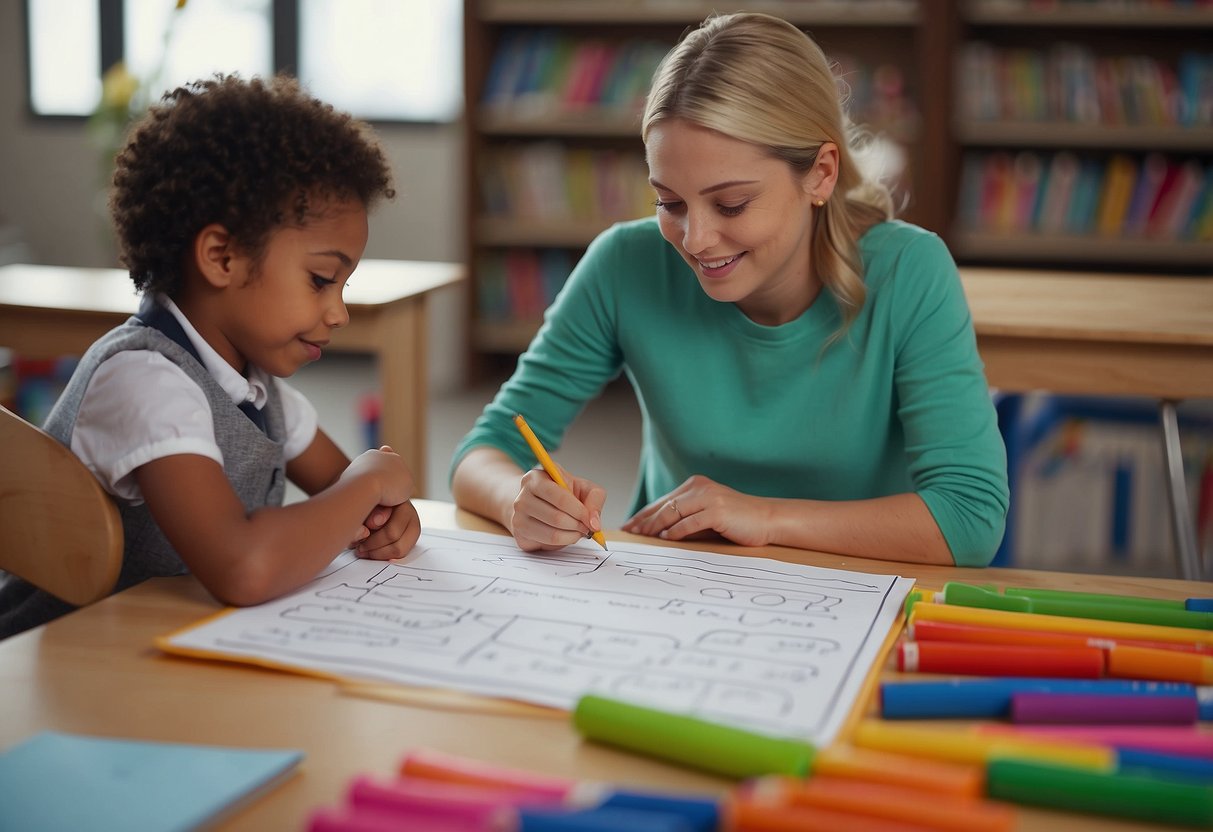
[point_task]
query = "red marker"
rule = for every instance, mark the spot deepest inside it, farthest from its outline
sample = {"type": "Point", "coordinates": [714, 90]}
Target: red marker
{"type": "Point", "coordinates": [1000, 660]}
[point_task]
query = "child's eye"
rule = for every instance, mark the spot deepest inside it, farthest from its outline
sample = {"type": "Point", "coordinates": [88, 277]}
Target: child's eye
{"type": "Point", "coordinates": [319, 281]}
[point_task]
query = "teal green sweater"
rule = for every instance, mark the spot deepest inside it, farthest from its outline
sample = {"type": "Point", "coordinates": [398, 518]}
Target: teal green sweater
{"type": "Point", "coordinates": [899, 404]}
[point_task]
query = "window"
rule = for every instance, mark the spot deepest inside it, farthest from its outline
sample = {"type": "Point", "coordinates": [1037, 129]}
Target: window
{"type": "Point", "coordinates": [64, 56]}
{"type": "Point", "coordinates": [383, 60]}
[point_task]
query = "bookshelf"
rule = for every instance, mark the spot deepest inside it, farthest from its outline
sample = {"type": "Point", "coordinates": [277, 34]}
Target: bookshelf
{"type": "Point", "coordinates": [1084, 133]}
{"type": "Point", "coordinates": [552, 161]}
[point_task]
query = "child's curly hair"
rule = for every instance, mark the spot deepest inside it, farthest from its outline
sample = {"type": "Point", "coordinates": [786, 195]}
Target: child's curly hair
{"type": "Point", "coordinates": [250, 155]}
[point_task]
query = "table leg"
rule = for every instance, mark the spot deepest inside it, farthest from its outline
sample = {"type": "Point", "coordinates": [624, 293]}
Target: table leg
{"type": "Point", "coordinates": [403, 380]}
{"type": "Point", "coordinates": [1177, 492]}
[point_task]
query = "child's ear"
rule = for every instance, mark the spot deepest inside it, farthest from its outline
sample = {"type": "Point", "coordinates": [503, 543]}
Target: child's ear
{"type": "Point", "coordinates": [215, 255]}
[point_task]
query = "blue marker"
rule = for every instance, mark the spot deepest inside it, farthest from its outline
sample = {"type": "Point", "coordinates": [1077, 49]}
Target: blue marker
{"type": "Point", "coordinates": [1204, 703]}
{"type": "Point", "coordinates": [1199, 605]}
{"type": "Point", "coordinates": [700, 814]}
{"type": "Point", "coordinates": [597, 820]}
{"type": "Point", "coordinates": [991, 698]}
{"type": "Point", "coordinates": [1131, 760]}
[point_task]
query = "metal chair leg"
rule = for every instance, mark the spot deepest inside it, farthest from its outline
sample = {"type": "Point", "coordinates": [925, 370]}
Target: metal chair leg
{"type": "Point", "coordinates": [1177, 492]}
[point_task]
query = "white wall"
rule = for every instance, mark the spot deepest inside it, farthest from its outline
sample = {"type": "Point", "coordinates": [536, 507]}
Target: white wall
{"type": "Point", "coordinates": [51, 186]}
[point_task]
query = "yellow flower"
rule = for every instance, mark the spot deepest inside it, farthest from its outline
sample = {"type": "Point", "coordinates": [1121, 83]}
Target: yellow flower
{"type": "Point", "coordinates": [118, 87]}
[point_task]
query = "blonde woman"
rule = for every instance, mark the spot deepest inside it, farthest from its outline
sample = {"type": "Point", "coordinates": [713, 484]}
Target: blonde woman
{"type": "Point", "coordinates": [805, 364]}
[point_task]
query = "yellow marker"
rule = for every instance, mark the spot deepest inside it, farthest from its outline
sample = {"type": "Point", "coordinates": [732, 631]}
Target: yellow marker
{"type": "Point", "coordinates": [974, 748]}
{"type": "Point", "coordinates": [546, 461]}
{"type": "Point", "coordinates": [1057, 624]}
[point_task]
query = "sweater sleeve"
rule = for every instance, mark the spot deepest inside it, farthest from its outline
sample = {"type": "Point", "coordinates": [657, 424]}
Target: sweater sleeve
{"type": "Point", "coordinates": [572, 357]}
{"type": "Point", "coordinates": [956, 456]}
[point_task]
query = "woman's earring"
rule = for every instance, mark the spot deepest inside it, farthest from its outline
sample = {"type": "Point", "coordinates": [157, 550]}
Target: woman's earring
{"type": "Point", "coordinates": [820, 203]}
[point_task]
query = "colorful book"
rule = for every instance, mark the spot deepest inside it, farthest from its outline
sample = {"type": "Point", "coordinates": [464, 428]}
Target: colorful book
{"type": "Point", "coordinates": [1153, 172]}
{"type": "Point", "coordinates": [1175, 201]}
{"type": "Point", "coordinates": [1118, 184]}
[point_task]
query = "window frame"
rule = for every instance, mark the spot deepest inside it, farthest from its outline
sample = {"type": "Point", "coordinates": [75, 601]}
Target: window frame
{"type": "Point", "coordinates": [284, 56]}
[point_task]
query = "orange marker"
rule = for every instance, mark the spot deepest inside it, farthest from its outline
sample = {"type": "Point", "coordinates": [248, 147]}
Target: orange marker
{"type": "Point", "coordinates": [1057, 624]}
{"type": "Point", "coordinates": [449, 768]}
{"type": "Point", "coordinates": [892, 803]}
{"type": "Point", "coordinates": [1165, 665]}
{"type": "Point", "coordinates": [931, 776]}
{"type": "Point", "coordinates": [744, 815]}
{"type": "Point", "coordinates": [545, 460]}
{"type": "Point", "coordinates": [975, 634]}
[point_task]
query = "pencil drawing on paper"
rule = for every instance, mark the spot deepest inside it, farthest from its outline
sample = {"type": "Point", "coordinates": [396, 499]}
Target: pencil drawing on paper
{"type": "Point", "coordinates": [758, 643]}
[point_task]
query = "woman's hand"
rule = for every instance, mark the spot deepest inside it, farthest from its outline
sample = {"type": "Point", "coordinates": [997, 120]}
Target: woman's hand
{"type": "Point", "coordinates": [702, 507]}
{"type": "Point", "coordinates": [546, 516]}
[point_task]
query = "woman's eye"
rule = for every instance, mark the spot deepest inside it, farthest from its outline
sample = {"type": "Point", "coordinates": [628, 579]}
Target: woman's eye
{"type": "Point", "coordinates": [732, 210]}
{"type": "Point", "coordinates": [667, 205]}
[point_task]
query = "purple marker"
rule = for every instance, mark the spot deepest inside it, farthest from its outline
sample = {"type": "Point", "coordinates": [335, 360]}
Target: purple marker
{"type": "Point", "coordinates": [1105, 709]}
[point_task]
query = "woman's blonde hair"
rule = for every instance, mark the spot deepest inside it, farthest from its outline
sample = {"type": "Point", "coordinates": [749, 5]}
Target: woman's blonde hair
{"type": "Point", "coordinates": [761, 80]}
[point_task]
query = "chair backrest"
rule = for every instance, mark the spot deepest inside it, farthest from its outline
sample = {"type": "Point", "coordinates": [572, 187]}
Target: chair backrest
{"type": "Point", "coordinates": [59, 530]}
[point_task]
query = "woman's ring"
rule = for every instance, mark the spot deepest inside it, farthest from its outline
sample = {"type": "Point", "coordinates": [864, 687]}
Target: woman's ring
{"type": "Point", "coordinates": [674, 505]}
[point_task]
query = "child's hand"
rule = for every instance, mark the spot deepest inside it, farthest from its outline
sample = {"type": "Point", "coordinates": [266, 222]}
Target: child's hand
{"type": "Point", "coordinates": [387, 468]}
{"type": "Point", "coordinates": [393, 531]}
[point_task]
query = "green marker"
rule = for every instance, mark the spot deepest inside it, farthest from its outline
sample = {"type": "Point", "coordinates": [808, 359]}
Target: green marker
{"type": "Point", "coordinates": [1095, 597]}
{"type": "Point", "coordinates": [967, 595]}
{"type": "Point", "coordinates": [1136, 796]}
{"type": "Point", "coordinates": [720, 749]}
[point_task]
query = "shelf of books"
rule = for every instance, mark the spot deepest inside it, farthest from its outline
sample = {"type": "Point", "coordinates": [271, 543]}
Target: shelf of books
{"type": "Point", "coordinates": [680, 12]}
{"type": "Point", "coordinates": [1080, 147]}
{"type": "Point", "coordinates": [1121, 14]}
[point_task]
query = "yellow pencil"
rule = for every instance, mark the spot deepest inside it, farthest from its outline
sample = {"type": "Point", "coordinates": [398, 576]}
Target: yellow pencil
{"type": "Point", "coordinates": [546, 461]}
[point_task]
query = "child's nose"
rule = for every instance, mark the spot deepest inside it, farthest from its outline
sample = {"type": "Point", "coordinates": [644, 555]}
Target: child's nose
{"type": "Point", "coordinates": [337, 315]}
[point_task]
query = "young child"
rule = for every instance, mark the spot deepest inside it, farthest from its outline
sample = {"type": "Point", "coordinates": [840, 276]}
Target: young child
{"type": "Point", "coordinates": [241, 211]}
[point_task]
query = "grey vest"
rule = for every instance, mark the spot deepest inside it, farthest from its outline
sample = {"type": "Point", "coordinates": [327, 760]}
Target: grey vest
{"type": "Point", "coordinates": [253, 462]}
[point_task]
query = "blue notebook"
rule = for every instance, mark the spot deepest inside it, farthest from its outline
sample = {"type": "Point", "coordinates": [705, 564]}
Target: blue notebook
{"type": "Point", "coordinates": [55, 781]}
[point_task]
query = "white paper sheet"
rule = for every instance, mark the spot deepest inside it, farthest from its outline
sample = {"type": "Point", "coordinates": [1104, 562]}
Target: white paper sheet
{"type": "Point", "coordinates": [761, 644]}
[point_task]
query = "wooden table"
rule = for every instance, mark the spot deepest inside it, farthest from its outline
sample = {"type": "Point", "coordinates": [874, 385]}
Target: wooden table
{"type": "Point", "coordinates": [1102, 334]}
{"type": "Point", "coordinates": [97, 672]}
{"type": "Point", "coordinates": [49, 311]}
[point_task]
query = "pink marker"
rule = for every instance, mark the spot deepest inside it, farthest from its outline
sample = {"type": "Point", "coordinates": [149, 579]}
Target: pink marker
{"type": "Point", "coordinates": [1164, 739]}
{"type": "Point", "coordinates": [418, 799]}
{"type": "Point", "coordinates": [449, 768]}
{"type": "Point", "coordinates": [1102, 709]}
{"type": "Point", "coordinates": [349, 819]}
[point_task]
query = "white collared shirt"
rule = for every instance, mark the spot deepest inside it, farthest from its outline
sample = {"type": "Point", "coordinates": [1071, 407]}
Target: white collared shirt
{"type": "Point", "coordinates": [139, 406]}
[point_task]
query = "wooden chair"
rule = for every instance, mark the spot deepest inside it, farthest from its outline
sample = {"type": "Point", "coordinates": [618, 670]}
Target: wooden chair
{"type": "Point", "coordinates": [59, 530]}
